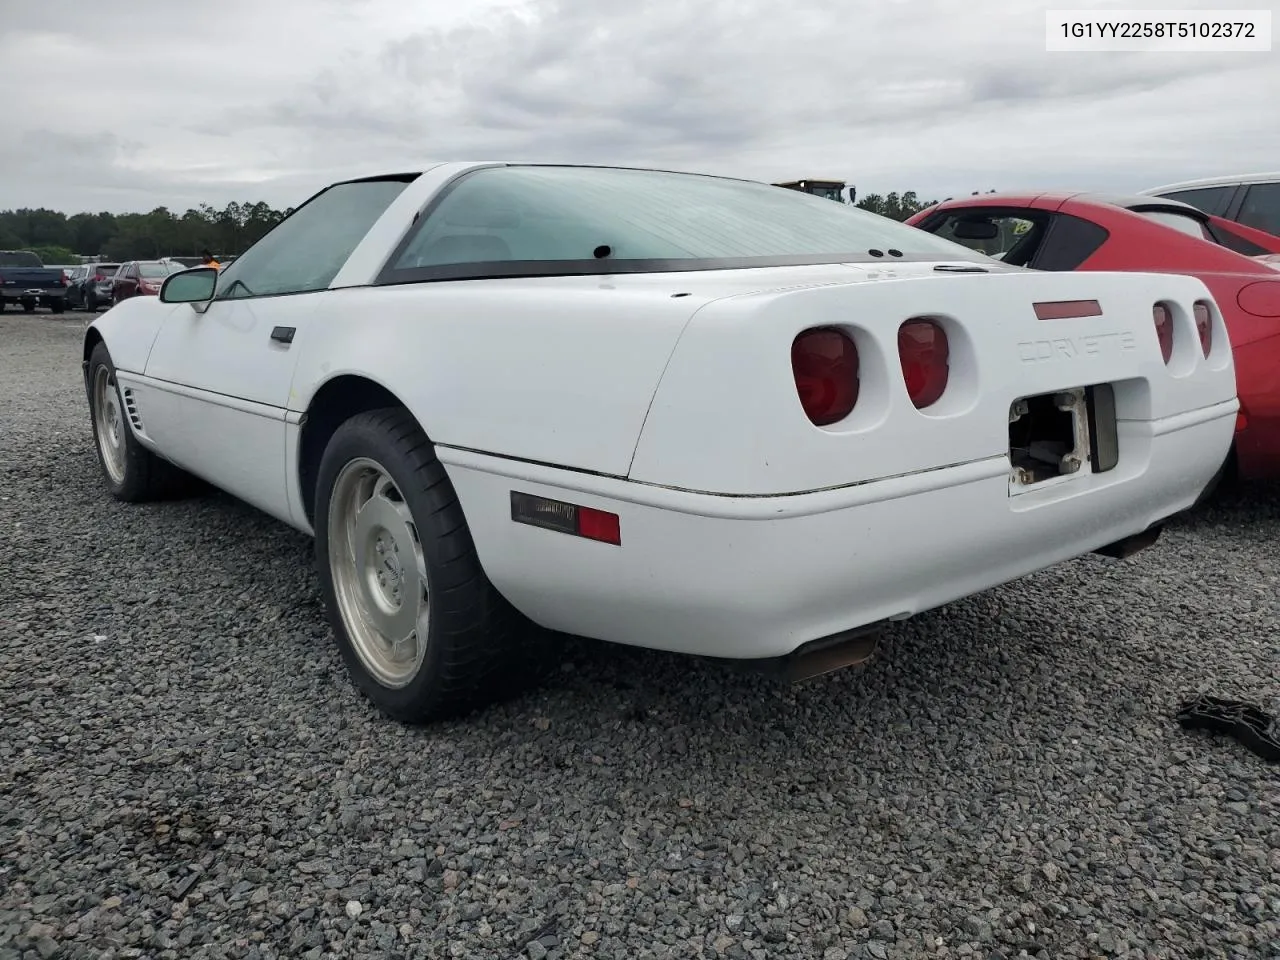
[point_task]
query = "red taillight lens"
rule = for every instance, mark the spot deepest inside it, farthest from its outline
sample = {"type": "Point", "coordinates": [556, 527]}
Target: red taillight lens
{"type": "Point", "coordinates": [824, 362]}
{"type": "Point", "coordinates": [599, 525]}
{"type": "Point", "coordinates": [1204, 326]}
{"type": "Point", "coordinates": [925, 354]}
{"type": "Point", "coordinates": [1164, 330]}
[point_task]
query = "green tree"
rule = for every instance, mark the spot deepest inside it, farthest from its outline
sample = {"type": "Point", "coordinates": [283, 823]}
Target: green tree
{"type": "Point", "coordinates": [55, 254]}
{"type": "Point", "coordinates": [132, 236]}
{"type": "Point", "coordinates": [894, 206]}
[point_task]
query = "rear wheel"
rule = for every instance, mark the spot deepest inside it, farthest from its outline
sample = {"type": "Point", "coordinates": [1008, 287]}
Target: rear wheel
{"type": "Point", "coordinates": [58, 306]}
{"type": "Point", "coordinates": [29, 306]}
{"type": "Point", "coordinates": [423, 632]}
{"type": "Point", "coordinates": [133, 473]}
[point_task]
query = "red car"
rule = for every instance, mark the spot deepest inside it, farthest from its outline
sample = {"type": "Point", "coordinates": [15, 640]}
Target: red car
{"type": "Point", "coordinates": [1080, 231]}
{"type": "Point", "coordinates": [141, 278]}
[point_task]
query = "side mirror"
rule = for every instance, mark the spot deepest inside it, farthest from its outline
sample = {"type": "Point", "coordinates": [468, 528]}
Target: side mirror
{"type": "Point", "coordinates": [190, 286]}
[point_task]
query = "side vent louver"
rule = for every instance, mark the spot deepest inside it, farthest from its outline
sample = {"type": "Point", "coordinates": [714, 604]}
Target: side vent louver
{"type": "Point", "coordinates": [131, 406]}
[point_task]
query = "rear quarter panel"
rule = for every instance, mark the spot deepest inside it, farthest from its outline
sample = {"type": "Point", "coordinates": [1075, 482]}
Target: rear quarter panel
{"type": "Point", "coordinates": [516, 368]}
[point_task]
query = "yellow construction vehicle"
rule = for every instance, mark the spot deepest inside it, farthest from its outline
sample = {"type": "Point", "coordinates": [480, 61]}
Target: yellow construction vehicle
{"type": "Point", "coordinates": [830, 189]}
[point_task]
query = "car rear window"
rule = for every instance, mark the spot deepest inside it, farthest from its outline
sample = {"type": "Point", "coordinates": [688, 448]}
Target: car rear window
{"type": "Point", "coordinates": [618, 220]}
{"type": "Point", "coordinates": [154, 271]}
{"type": "Point", "coordinates": [984, 231]}
{"type": "Point", "coordinates": [19, 258]}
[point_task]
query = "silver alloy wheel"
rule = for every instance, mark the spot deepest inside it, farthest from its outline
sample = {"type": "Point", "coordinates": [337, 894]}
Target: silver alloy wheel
{"type": "Point", "coordinates": [379, 572]}
{"type": "Point", "coordinates": [110, 423]}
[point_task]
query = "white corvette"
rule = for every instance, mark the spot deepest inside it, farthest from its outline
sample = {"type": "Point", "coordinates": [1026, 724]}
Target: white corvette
{"type": "Point", "coordinates": [685, 412]}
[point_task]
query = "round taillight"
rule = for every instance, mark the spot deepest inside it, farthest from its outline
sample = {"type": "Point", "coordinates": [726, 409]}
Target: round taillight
{"type": "Point", "coordinates": [924, 353]}
{"type": "Point", "coordinates": [1164, 329]}
{"type": "Point", "coordinates": [824, 361]}
{"type": "Point", "coordinates": [1204, 326]}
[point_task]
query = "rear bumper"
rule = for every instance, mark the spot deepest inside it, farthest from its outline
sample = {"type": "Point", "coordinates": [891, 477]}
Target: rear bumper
{"type": "Point", "coordinates": [754, 577]}
{"type": "Point", "coordinates": [39, 295]}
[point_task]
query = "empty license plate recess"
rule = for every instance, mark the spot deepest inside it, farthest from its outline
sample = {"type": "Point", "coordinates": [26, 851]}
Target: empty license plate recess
{"type": "Point", "coordinates": [1060, 435]}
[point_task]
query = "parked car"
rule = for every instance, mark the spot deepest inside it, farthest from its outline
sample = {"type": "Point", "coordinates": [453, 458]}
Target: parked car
{"type": "Point", "coordinates": [25, 281]}
{"type": "Point", "coordinates": [1144, 233]}
{"type": "Point", "coordinates": [140, 278]}
{"type": "Point", "coordinates": [678, 411]}
{"type": "Point", "coordinates": [90, 286]}
{"type": "Point", "coordinates": [1252, 199]}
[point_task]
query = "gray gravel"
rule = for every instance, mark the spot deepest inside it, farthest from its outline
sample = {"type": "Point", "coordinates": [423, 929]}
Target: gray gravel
{"type": "Point", "coordinates": [185, 770]}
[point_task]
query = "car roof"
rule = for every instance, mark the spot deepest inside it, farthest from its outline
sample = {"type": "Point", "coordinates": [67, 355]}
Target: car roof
{"type": "Point", "coordinates": [417, 170]}
{"type": "Point", "coordinates": [1224, 181]}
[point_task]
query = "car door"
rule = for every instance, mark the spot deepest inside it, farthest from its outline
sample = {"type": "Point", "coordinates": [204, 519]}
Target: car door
{"type": "Point", "coordinates": [224, 368]}
{"type": "Point", "coordinates": [125, 284]}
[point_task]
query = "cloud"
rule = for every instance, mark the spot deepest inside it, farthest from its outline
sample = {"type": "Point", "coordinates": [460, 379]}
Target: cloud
{"type": "Point", "coordinates": [271, 101]}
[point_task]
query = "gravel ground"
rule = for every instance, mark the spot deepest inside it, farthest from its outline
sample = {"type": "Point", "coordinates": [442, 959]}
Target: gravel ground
{"type": "Point", "coordinates": [185, 770]}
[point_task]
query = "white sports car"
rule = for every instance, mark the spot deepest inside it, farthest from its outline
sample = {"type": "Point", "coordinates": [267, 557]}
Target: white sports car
{"type": "Point", "coordinates": [686, 412]}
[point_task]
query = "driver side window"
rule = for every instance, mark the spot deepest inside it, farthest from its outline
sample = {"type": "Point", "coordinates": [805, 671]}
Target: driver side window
{"type": "Point", "coordinates": [305, 251]}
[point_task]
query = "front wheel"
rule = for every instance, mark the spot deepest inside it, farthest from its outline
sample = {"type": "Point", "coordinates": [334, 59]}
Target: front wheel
{"type": "Point", "coordinates": [423, 632]}
{"type": "Point", "coordinates": [133, 473]}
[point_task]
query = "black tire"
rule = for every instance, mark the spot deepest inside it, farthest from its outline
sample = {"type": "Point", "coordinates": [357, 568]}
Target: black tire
{"type": "Point", "coordinates": [479, 649]}
{"type": "Point", "coordinates": [29, 306]}
{"type": "Point", "coordinates": [58, 306]}
{"type": "Point", "coordinates": [143, 476]}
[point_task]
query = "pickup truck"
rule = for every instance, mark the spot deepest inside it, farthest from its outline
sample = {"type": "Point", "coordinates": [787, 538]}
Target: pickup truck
{"type": "Point", "coordinates": [25, 280]}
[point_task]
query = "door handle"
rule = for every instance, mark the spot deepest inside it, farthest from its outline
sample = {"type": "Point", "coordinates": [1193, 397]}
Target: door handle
{"type": "Point", "coordinates": [282, 334]}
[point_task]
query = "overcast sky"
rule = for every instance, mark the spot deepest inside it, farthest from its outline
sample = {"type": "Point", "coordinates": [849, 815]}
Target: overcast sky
{"type": "Point", "coordinates": [141, 103]}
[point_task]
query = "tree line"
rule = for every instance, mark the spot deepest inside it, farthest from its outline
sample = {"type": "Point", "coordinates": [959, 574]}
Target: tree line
{"type": "Point", "coordinates": [899, 206]}
{"type": "Point", "coordinates": [60, 239]}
